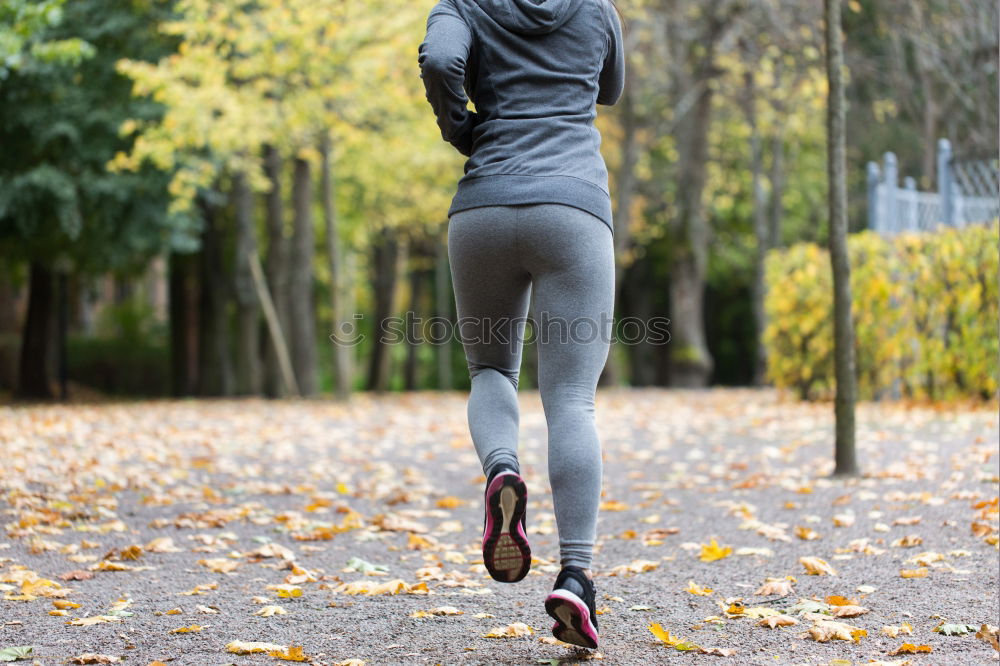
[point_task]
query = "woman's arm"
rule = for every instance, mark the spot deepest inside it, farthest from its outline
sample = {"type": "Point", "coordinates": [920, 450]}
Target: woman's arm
{"type": "Point", "coordinates": [443, 56]}
{"type": "Point", "coordinates": [612, 79]}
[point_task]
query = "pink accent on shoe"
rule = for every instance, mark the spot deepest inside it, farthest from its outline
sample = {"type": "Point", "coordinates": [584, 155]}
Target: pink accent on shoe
{"type": "Point", "coordinates": [563, 605]}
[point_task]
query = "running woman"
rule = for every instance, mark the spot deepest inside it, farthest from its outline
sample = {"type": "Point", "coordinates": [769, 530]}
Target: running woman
{"type": "Point", "coordinates": [532, 213]}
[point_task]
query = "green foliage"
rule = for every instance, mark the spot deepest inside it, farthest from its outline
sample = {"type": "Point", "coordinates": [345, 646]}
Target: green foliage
{"type": "Point", "coordinates": [60, 127]}
{"type": "Point", "coordinates": [24, 44]}
{"type": "Point", "coordinates": [925, 309]}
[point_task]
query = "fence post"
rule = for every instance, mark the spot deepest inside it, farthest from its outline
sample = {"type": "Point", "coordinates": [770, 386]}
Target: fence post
{"type": "Point", "coordinates": [944, 183]}
{"type": "Point", "coordinates": [912, 212]}
{"type": "Point", "coordinates": [891, 193]}
{"type": "Point", "coordinates": [874, 223]}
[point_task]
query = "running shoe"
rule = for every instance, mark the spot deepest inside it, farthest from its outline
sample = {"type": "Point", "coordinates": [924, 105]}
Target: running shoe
{"type": "Point", "coordinates": [572, 603]}
{"type": "Point", "coordinates": [506, 552]}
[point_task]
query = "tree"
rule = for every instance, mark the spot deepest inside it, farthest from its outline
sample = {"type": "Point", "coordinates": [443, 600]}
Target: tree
{"type": "Point", "coordinates": [843, 324]}
{"type": "Point", "coordinates": [60, 209]}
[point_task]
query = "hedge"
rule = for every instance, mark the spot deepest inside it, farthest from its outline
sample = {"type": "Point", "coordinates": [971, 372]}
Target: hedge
{"type": "Point", "coordinates": [926, 312]}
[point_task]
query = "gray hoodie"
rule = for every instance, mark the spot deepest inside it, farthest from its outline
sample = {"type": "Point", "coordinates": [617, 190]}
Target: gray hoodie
{"type": "Point", "coordinates": [535, 69]}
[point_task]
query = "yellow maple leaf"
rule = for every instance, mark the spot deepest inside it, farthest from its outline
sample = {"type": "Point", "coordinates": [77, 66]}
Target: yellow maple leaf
{"type": "Point", "coordinates": [700, 590]}
{"type": "Point", "coordinates": [614, 505]}
{"type": "Point", "coordinates": [663, 635]}
{"type": "Point", "coordinates": [187, 630]}
{"type": "Point", "coordinates": [712, 551]}
{"type": "Point", "coordinates": [449, 502]}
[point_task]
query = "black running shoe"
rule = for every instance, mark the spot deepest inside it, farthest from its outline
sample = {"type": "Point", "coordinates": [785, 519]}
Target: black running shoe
{"type": "Point", "coordinates": [572, 603]}
{"type": "Point", "coordinates": [506, 552]}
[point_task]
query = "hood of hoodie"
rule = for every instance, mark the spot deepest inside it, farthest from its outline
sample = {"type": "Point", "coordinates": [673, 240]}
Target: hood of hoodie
{"type": "Point", "coordinates": [530, 17]}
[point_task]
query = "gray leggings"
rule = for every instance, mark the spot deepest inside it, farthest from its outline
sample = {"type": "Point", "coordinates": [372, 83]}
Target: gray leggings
{"type": "Point", "coordinates": [498, 255]}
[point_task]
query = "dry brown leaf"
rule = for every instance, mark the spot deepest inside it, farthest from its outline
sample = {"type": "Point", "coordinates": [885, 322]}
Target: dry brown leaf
{"type": "Point", "coordinates": [94, 658]}
{"type": "Point", "coordinates": [827, 630]}
{"type": "Point", "coordinates": [893, 631]}
{"type": "Point", "coordinates": [221, 565]}
{"type": "Point", "coordinates": [775, 586]}
{"type": "Point", "coordinates": [634, 567]}
{"type": "Point", "coordinates": [773, 621]}
{"type": "Point", "coordinates": [268, 611]}
{"type": "Point", "coordinates": [97, 619]}
{"type": "Point", "coordinates": [849, 611]}
{"type": "Point", "coordinates": [817, 566]}
{"type": "Point", "coordinates": [515, 630]}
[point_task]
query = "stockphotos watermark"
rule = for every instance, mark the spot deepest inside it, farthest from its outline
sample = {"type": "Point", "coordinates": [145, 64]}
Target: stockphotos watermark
{"type": "Point", "coordinates": [411, 329]}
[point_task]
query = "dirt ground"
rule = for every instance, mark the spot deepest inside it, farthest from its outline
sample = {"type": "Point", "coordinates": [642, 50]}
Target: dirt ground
{"type": "Point", "coordinates": [236, 520]}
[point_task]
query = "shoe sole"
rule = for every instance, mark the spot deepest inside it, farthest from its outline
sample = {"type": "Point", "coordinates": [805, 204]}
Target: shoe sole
{"type": "Point", "coordinates": [506, 552]}
{"type": "Point", "coordinates": [572, 618]}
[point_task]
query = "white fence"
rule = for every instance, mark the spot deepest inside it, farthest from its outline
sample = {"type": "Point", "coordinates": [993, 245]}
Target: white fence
{"type": "Point", "coordinates": [968, 193]}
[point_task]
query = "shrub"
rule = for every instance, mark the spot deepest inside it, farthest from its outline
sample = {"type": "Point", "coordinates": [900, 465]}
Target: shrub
{"type": "Point", "coordinates": [926, 310]}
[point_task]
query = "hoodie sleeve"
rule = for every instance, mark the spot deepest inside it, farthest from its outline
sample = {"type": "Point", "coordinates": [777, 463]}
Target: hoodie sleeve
{"type": "Point", "coordinates": [612, 79]}
{"type": "Point", "coordinates": [443, 56]}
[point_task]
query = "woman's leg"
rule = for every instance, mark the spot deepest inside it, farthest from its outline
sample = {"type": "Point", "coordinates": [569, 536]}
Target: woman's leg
{"type": "Point", "coordinates": [492, 293]}
{"type": "Point", "coordinates": [570, 255]}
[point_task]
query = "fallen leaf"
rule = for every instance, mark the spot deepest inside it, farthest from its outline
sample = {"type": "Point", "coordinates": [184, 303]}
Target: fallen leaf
{"type": "Point", "coordinates": [955, 629]}
{"type": "Point", "coordinates": [187, 630]}
{"type": "Point", "coordinates": [817, 567]}
{"type": "Point", "coordinates": [773, 621]}
{"type": "Point", "coordinates": [699, 590]}
{"type": "Point", "coordinates": [93, 658]}
{"type": "Point", "coordinates": [515, 630]}
{"type": "Point", "coordinates": [220, 564]}
{"type": "Point", "coordinates": [827, 630]}
{"type": "Point", "coordinates": [712, 552]}
{"type": "Point", "coordinates": [913, 573]}
{"type": "Point", "coordinates": [910, 648]}
{"type": "Point", "coordinates": [806, 533]}
{"type": "Point", "coordinates": [989, 634]}
{"type": "Point", "coordinates": [76, 574]}
{"type": "Point", "coordinates": [294, 653]}
{"type": "Point", "coordinates": [15, 653]}
{"type": "Point", "coordinates": [849, 611]}
{"type": "Point", "coordinates": [268, 611]}
{"type": "Point", "coordinates": [97, 619]}
{"type": "Point", "coordinates": [775, 586]}
{"type": "Point", "coordinates": [634, 567]}
{"type": "Point", "coordinates": [241, 647]}
{"type": "Point", "coordinates": [893, 631]}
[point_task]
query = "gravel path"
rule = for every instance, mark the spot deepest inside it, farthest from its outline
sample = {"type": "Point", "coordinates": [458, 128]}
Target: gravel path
{"type": "Point", "coordinates": [286, 493]}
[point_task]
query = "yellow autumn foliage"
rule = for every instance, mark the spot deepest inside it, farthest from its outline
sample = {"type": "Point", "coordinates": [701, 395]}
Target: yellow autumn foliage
{"type": "Point", "coordinates": [925, 311]}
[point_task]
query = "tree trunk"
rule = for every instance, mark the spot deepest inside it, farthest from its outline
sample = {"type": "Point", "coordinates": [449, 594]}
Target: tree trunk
{"type": "Point", "coordinates": [35, 368]}
{"type": "Point", "coordinates": [625, 184]}
{"type": "Point", "coordinates": [276, 269]}
{"type": "Point", "coordinates": [777, 178]}
{"type": "Point", "coordinates": [760, 227]}
{"type": "Point", "coordinates": [691, 363]}
{"type": "Point", "coordinates": [342, 370]}
{"type": "Point", "coordinates": [417, 277]}
{"type": "Point", "coordinates": [843, 326]}
{"type": "Point", "coordinates": [183, 309]}
{"type": "Point", "coordinates": [301, 306]}
{"type": "Point", "coordinates": [215, 377]}
{"type": "Point", "coordinates": [442, 302]}
{"type": "Point", "coordinates": [248, 366]}
{"type": "Point", "coordinates": [385, 260]}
